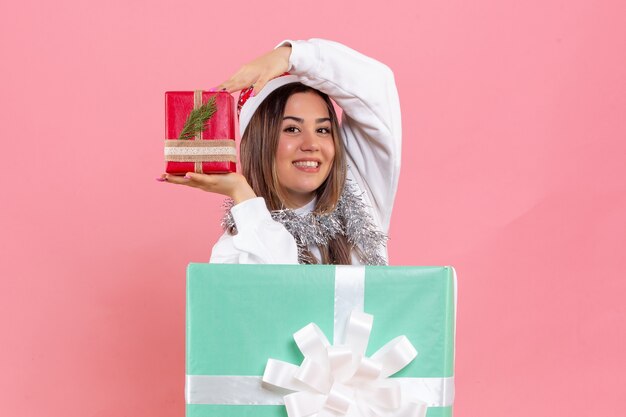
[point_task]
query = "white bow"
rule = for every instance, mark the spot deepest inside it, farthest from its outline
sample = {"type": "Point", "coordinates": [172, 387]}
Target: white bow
{"type": "Point", "coordinates": [340, 380]}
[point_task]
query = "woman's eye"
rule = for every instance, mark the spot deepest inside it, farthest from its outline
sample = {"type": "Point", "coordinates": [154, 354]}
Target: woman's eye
{"type": "Point", "coordinates": [291, 129]}
{"type": "Point", "coordinates": [324, 130]}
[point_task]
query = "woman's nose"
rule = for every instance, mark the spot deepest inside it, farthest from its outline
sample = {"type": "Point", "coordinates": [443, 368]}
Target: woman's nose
{"type": "Point", "coordinates": [310, 141]}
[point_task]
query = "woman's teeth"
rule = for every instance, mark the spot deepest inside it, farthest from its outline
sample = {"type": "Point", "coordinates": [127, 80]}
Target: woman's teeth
{"type": "Point", "coordinates": [306, 164]}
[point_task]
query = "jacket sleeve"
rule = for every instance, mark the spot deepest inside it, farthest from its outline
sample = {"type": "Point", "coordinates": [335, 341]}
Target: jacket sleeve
{"type": "Point", "coordinates": [259, 239]}
{"type": "Point", "coordinates": [371, 126]}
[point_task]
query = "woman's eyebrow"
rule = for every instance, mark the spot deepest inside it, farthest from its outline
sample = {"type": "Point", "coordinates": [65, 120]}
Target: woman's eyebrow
{"type": "Point", "coordinates": [300, 120]}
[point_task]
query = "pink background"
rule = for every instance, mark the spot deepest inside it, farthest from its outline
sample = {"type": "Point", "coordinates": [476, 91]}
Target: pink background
{"type": "Point", "coordinates": [515, 142]}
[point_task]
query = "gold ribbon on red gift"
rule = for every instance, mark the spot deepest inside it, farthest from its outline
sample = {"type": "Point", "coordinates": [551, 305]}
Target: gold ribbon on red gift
{"type": "Point", "coordinates": [198, 150]}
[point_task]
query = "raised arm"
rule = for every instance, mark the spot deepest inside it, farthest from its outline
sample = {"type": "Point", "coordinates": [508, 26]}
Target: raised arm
{"type": "Point", "coordinates": [371, 126]}
{"type": "Point", "coordinates": [365, 89]}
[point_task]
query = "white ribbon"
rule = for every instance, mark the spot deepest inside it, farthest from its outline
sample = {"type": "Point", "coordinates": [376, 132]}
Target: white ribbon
{"type": "Point", "coordinates": [339, 380]}
{"type": "Point", "coordinates": [349, 296]}
{"type": "Point", "coordinates": [249, 390]}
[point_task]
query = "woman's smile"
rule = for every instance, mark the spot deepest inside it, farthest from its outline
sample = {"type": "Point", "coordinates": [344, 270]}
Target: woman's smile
{"type": "Point", "coordinates": [308, 165]}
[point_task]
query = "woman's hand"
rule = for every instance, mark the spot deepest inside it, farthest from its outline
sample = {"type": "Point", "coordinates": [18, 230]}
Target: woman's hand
{"type": "Point", "coordinates": [259, 71]}
{"type": "Point", "coordinates": [232, 185]}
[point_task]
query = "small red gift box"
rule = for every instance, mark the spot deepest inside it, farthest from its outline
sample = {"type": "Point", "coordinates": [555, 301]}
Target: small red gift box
{"type": "Point", "coordinates": [211, 151]}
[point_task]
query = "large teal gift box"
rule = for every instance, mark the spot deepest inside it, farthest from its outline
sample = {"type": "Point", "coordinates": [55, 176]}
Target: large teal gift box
{"type": "Point", "coordinates": [239, 316]}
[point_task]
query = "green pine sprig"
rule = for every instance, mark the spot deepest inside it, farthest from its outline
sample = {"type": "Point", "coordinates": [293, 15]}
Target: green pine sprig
{"type": "Point", "coordinates": [196, 121]}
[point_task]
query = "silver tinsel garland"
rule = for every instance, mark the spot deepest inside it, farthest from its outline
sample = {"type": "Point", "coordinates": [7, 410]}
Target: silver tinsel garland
{"type": "Point", "coordinates": [350, 219]}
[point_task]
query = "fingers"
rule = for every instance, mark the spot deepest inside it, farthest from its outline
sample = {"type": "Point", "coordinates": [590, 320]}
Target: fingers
{"type": "Point", "coordinates": [236, 85]}
{"type": "Point", "coordinates": [258, 86]}
{"type": "Point", "coordinates": [173, 179]}
{"type": "Point", "coordinates": [259, 71]}
{"type": "Point", "coordinates": [228, 86]}
{"type": "Point", "coordinates": [196, 180]}
{"type": "Point", "coordinates": [244, 78]}
{"type": "Point", "coordinates": [191, 179]}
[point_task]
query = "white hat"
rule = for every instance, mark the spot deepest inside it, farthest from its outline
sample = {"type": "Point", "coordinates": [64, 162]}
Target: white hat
{"type": "Point", "coordinates": [246, 106]}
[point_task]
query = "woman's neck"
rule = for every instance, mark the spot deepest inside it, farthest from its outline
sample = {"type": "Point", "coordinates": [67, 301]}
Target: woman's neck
{"type": "Point", "coordinates": [307, 208]}
{"type": "Point", "coordinates": [299, 202]}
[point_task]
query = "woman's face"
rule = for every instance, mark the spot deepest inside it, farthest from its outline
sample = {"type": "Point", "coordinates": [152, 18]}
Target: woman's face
{"type": "Point", "coordinates": [306, 149]}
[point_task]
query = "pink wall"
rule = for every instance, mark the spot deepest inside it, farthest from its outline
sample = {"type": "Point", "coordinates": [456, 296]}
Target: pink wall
{"type": "Point", "coordinates": [515, 129]}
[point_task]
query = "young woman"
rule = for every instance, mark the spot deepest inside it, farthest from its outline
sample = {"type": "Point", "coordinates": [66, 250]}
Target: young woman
{"type": "Point", "coordinates": [311, 190]}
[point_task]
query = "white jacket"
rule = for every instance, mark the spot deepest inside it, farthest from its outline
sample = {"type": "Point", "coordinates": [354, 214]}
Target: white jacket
{"type": "Point", "coordinates": [371, 129]}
